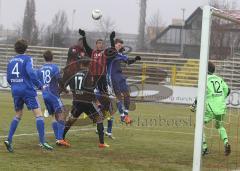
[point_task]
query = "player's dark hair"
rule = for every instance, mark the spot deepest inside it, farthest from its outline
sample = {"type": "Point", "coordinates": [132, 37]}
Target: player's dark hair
{"type": "Point", "coordinates": [21, 46]}
{"type": "Point", "coordinates": [48, 56]}
{"type": "Point", "coordinates": [118, 41]}
{"type": "Point", "coordinates": [99, 40]}
{"type": "Point", "coordinates": [211, 67]}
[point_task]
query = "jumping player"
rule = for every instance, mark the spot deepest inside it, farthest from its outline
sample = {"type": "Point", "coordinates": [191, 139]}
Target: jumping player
{"type": "Point", "coordinates": [117, 79]}
{"type": "Point", "coordinates": [98, 70]}
{"type": "Point", "coordinates": [23, 80]}
{"type": "Point", "coordinates": [82, 85]}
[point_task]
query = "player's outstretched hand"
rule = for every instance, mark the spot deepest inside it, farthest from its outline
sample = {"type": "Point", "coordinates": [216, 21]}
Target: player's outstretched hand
{"type": "Point", "coordinates": [81, 32]}
{"type": "Point", "coordinates": [194, 106]}
{"type": "Point", "coordinates": [112, 35]}
{"type": "Point", "coordinates": [138, 58]}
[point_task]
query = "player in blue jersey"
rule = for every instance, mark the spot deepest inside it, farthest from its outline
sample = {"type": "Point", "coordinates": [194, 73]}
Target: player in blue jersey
{"type": "Point", "coordinates": [23, 80]}
{"type": "Point", "coordinates": [117, 79]}
{"type": "Point", "coordinates": [49, 75]}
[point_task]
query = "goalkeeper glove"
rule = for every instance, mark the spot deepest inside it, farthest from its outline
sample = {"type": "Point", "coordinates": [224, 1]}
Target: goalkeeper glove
{"type": "Point", "coordinates": [194, 106]}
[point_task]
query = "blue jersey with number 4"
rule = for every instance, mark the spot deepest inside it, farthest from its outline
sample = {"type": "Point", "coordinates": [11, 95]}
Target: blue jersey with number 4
{"type": "Point", "coordinates": [49, 75]}
{"type": "Point", "coordinates": [22, 77]}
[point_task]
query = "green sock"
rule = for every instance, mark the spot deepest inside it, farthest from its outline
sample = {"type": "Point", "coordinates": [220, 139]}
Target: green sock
{"type": "Point", "coordinates": [223, 134]}
{"type": "Point", "coordinates": [204, 146]}
{"type": "Point", "coordinates": [225, 141]}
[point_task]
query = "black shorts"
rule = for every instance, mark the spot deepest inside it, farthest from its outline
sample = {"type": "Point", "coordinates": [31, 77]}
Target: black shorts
{"type": "Point", "coordinates": [102, 84]}
{"type": "Point", "coordinates": [91, 109]}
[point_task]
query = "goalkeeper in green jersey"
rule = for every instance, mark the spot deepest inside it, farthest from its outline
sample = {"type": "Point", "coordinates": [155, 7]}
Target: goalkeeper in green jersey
{"type": "Point", "coordinates": [217, 92]}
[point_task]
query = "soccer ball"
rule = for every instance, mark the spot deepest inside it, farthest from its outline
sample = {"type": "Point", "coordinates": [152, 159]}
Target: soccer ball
{"type": "Point", "coordinates": [96, 14]}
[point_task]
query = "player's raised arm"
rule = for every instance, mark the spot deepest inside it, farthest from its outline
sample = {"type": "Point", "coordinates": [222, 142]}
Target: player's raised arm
{"type": "Point", "coordinates": [112, 36]}
{"type": "Point", "coordinates": [32, 74]}
{"type": "Point", "coordinates": [85, 44]}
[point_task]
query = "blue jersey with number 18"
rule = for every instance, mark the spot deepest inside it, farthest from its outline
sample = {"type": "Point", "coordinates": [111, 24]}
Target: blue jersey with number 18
{"type": "Point", "coordinates": [22, 77]}
{"type": "Point", "coordinates": [49, 75]}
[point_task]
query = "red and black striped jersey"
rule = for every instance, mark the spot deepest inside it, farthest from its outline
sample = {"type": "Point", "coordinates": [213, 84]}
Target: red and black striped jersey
{"type": "Point", "coordinates": [98, 63]}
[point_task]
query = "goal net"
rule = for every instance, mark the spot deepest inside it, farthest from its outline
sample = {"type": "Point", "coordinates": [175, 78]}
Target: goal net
{"type": "Point", "coordinates": [220, 43]}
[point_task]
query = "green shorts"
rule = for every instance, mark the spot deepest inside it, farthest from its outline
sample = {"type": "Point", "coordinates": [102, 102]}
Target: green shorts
{"type": "Point", "coordinates": [209, 116]}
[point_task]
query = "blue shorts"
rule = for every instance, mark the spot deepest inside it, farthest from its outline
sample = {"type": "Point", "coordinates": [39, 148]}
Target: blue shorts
{"type": "Point", "coordinates": [31, 103]}
{"type": "Point", "coordinates": [119, 84]}
{"type": "Point", "coordinates": [53, 103]}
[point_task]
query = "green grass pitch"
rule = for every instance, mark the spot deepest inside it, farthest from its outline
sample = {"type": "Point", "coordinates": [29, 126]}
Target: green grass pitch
{"type": "Point", "coordinates": [160, 138]}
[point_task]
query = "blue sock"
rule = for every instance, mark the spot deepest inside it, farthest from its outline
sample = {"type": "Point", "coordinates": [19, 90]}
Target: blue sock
{"type": "Point", "coordinates": [13, 128]}
{"type": "Point", "coordinates": [55, 128]}
{"type": "Point", "coordinates": [109, 127]}
{"type": "Point", "coordinates": [61, 126]}
{"type": "Point", "coordinates": [126, 102]}
{"type": "Point", "coordinates": [40, 128]}
{"type": "Point", "coordinates": [120, 107]}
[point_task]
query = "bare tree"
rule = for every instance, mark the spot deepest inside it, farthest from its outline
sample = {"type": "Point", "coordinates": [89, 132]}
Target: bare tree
{"type": "Point", "coordinates": [154, 25]}
{"type": "Point", "coordinates": [18, 27]}
{"type": "Point", "coordinates": [106, 26]}
{"type": "Point", "coordinates": [223, 4]}
{"type": "Point", "coordinates": [35, 35]}
{"type": "Point", "coordinates": [58, 31]}
{"type": "Point", "coordinates": [29, 27]}
{"type": "Point", "coordinates": [41, 33]}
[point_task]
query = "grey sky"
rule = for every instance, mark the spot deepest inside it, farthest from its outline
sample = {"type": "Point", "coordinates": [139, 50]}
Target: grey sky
{"type": "Point", "coordinates": [123, 12]}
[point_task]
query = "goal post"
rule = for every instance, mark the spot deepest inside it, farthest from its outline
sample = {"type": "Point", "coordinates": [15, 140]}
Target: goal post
{"type": "Point", "coordinates": [203, 62]}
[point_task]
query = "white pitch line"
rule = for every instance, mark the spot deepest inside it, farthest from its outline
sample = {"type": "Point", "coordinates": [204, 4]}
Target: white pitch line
{"type": "Point", "coordinates": [89, 129]}
{"type": "Point", "coordinates": [51, 132]}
